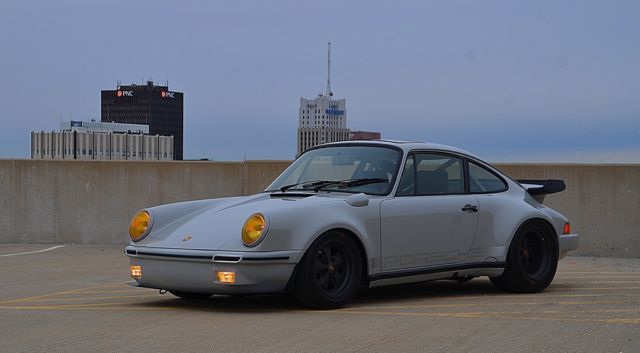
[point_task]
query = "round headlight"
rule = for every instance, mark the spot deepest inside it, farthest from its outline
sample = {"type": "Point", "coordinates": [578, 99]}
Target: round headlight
{"type": "Point", "coordinates": [254, 229]}
{"type": "Point", "coordinates": [140, 225]}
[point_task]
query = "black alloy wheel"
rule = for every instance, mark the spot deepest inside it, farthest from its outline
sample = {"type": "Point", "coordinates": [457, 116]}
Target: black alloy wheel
{"type": "Point", "coordinates": [331, 267]}
{"type": "Point", "coordinates": [329, 274]}
{"type": "Point", "coordinates": [532, 253]}
{"type": "Point", "coordinates": [532, 259]}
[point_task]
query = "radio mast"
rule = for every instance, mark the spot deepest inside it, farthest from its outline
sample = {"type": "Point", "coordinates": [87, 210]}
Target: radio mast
{"type": "Point", "coordinates": [329, 93]}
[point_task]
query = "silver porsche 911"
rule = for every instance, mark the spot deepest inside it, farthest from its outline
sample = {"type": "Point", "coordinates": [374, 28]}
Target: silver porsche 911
{"type": "Point", "coordinates": [356, 214]}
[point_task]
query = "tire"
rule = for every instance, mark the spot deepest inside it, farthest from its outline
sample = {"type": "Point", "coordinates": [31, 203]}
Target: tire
{"type": "Point", "coordinates": [190, 295]}
{"type": "Point", "coordinates": [532, 260]}
{"type": "Point", "coordinates": [329, 274]}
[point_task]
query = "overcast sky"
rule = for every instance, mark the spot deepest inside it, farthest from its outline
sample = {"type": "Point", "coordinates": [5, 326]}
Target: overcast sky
{"type": "Point", "coordinates": [509, 80]}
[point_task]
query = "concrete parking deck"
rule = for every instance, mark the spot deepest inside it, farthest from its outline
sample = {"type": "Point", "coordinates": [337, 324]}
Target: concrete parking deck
{"type": "Point", "coordinates": [74, 299]}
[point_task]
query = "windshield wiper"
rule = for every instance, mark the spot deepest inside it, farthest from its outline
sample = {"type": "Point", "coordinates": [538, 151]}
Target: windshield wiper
{"type": "Point", "coordinates": [307, 184]}
{"type": "Point", "coordinates": [318, 185]}
{"type": "Point", "coordinates": [343, 184]}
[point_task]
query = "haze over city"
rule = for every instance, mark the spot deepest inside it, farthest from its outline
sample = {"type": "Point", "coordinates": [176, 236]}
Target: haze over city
{"type": "Point", "coordinates": [511, 81]}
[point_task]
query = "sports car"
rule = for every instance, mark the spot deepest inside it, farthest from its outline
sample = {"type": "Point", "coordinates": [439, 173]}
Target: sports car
{"type": "Point", "coordinates": [358, 214]}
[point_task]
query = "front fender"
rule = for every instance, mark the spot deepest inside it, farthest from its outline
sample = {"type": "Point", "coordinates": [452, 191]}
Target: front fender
{"type": "Point", "coordinates": [298, 227]}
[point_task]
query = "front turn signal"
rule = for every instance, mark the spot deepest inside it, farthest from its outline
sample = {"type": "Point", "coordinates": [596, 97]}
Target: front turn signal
{"type": "Point", "coordinates": [226, 277]}
{"type": "Point", "coordinates": [136, 271]}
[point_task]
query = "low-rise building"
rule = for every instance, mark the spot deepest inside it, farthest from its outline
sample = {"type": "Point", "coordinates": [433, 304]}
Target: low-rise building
{"type": "Point", "coordinates": [98, 126]}
{"type": "Point", "coordinates": [84, 140]}
{"type": "Point", "coordinates": [365, 135]}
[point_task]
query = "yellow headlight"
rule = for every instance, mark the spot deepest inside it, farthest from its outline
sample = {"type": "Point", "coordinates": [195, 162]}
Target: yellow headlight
{"type": "Point", "coordinates": [253, 229]}
{"type": "Point", "coordinates": [139, 225]}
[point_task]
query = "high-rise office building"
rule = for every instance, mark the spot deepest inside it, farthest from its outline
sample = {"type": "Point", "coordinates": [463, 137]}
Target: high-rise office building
{"type": "Point", "coordinates": [322, 119]}
{"type": "Point", "coordinates": [147, 104]}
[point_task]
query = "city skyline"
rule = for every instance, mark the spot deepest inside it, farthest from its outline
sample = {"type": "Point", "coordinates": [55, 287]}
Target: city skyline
{"type": "Point", "coordinates": [544, 81]}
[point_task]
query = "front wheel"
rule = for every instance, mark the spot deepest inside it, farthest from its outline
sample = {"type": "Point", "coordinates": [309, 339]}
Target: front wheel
{"type": "Point", "coordinates": [532, 260]}
{"type": "Point", "coordinates": [329, 274]}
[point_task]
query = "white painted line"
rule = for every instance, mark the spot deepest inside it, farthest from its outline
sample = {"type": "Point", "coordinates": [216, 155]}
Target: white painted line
{"type": "Point", "coordinates": [33, 252]}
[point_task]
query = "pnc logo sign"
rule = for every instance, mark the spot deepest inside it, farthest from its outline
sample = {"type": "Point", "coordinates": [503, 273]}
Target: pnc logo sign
{"type": "Point", "coordinates": [124, 93]}
{"type": "Point", "coordinates": [167, 94]}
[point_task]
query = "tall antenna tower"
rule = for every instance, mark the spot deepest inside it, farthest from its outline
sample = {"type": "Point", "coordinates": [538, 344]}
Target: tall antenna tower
{"type": "Point", "coordinates": [329, 93]}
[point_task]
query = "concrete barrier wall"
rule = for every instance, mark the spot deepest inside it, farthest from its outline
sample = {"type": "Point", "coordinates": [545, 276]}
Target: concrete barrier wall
{"type": "Point", "coordinates": [91, 202]}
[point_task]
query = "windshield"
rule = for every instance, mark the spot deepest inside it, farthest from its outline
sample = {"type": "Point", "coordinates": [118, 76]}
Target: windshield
{"type": "Point", "coordinates": [354, 169]}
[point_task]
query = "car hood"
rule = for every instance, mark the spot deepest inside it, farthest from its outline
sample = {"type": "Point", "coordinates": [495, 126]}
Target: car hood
{"type": "Point", "coordinates": [213, 223]}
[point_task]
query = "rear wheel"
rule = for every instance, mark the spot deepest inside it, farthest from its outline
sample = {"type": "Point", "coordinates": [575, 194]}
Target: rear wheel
{"type": "Point", "coordinates": [329, 274]}
{"type": "Point", "coordinates": [532, 259]}
{"type": "Point", "coordinates": [190, 295]}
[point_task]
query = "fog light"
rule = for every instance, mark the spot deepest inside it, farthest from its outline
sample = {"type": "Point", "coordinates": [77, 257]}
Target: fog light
{"type": "Point", "coordinates": [136, 271]}
{"type": "Point", "coordinates": [226, 277]}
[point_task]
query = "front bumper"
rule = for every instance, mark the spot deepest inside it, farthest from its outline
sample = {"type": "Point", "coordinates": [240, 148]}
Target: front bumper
{"type": "Point", "coordinates": [195, 270]}
{"type": "Point", "coordinates": [568, 242]}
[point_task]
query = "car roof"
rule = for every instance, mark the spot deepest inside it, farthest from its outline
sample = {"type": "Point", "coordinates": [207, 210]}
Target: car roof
{"type": "Point", "coordinates": [406, 146]}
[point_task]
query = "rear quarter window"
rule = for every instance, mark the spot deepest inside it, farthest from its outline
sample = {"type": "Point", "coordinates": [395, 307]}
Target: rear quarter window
{"type": "Point", "coordinates": [482, 180]}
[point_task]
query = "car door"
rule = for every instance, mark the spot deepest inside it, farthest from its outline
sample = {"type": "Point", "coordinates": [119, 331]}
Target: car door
{"type": "Point", "coordinates": [432, 219]}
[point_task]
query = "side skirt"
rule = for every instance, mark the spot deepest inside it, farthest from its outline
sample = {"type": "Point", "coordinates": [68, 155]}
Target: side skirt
{"type": "Point", "coordinates": [435, 273]}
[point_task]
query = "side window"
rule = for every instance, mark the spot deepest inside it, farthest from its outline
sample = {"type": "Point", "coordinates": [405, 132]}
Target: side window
{"type": "Point", "coordinates": [431, 174]}
{"type": "Point", "coordinates": [482, 180]}
{"type": "Point", "coordinates": [438, 174]}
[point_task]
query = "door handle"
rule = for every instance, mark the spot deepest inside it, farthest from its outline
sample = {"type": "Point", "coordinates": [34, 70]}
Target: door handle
{"type": "Point", "coordinates": [471, 208]}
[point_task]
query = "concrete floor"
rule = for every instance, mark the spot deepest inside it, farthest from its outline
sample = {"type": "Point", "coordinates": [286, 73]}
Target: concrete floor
{"type": "Point", "coordinates": [74, 299]}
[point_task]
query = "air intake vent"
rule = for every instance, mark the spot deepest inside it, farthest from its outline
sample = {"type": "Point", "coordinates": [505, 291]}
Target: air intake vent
{"type": "Point", "coordinates": [289, 196]}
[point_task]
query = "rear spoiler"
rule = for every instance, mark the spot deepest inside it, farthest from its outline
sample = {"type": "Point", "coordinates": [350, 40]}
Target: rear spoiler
{"type": "Point", "coordinates": [541, 188]}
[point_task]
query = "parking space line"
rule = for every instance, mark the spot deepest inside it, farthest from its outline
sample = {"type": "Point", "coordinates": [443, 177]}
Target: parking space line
{"type": "Point", "coordinates": [585, 295]}
{"type": "Point", "coordinates": [530, 296]}
{"type": "Point", "coordinates": [633, 276]}
{"type": "Point", "coordinates": [520, 315]}
{"type": "Point", "coordinates": [33, 252]}
{"type": "Point", "coordinates": [89, 298]}
{"type": "Point", "coordinates": [599, 275]}
{"type": "Point", "coordinates": [596, 288]}
{"type": "Point", "coordinates": [499, 313]}
{"type": "Point", "coordinates": [134, 290]}
{"type": "Point", "coordinates": [89, 304]}
{"type": "Point", "coordinates": [596, 272]}
{"type": "Point", "coordinates": [632, 321]}
{"type": "Point", "coordinates": [433, 306]}
{"type": "Point", "coordinates": [64, 307]}
{"type": "Point", "coordinates": [70, 291]}
{"type": "Point", "coordinates": [598, 282]}
{"type": "Point", "coordinates": [573, 268]}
